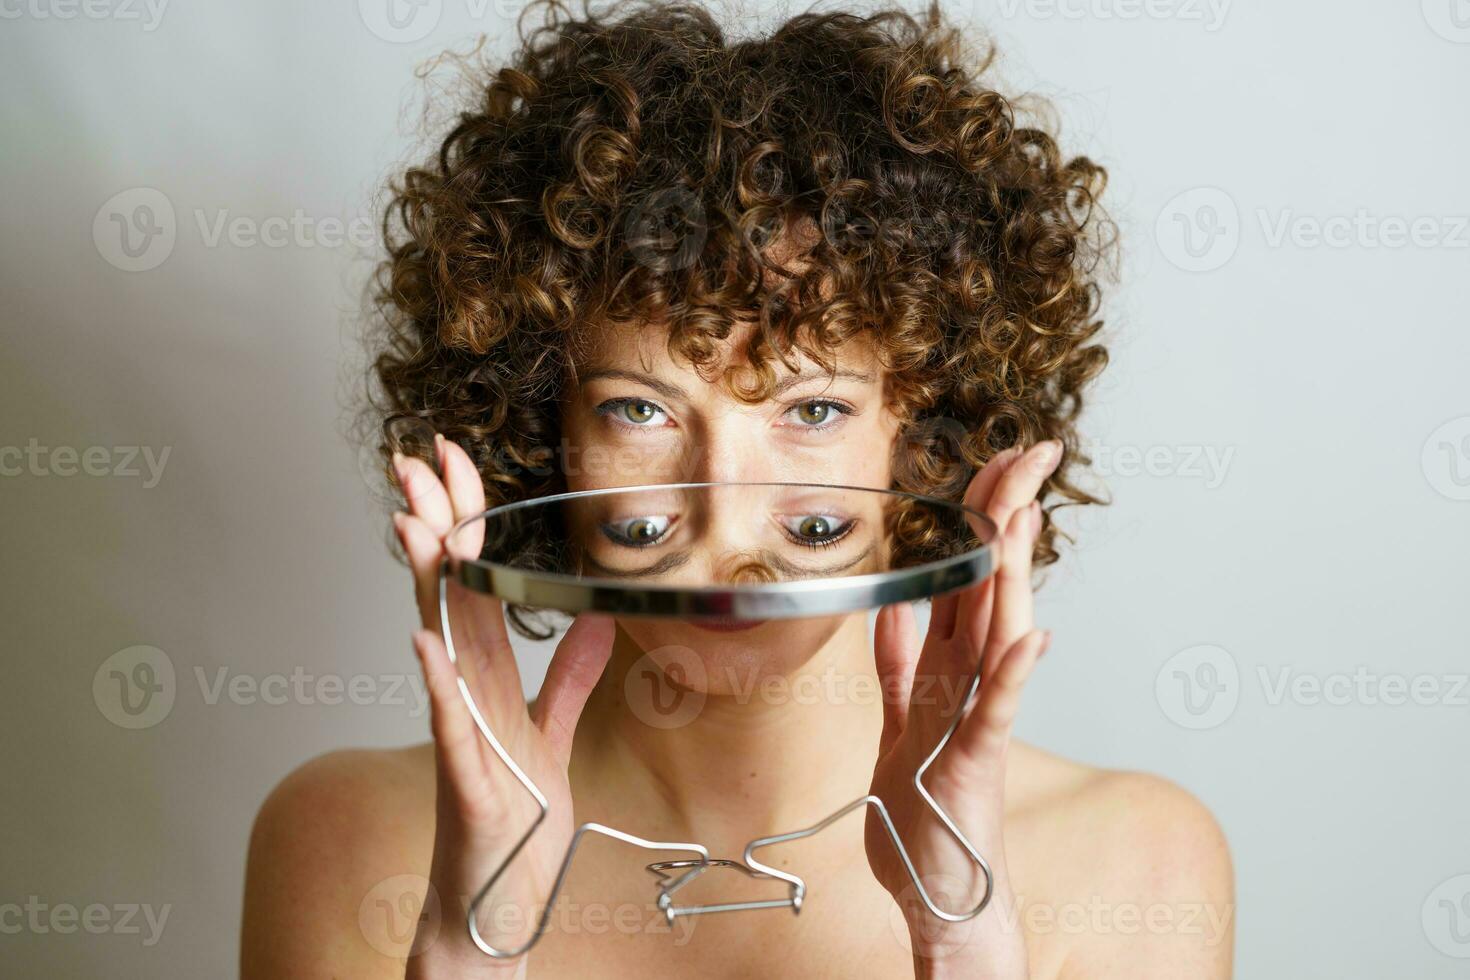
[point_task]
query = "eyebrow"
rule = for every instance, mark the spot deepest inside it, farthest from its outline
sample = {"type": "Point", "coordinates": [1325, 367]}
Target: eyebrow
{"type": "Point", "coordinates": [673, 391]}
{"type": "Point", "coordinates": [676, 559]}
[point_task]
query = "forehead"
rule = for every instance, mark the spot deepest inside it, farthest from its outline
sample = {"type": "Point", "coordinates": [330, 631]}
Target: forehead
{"type": "Point", "coordinates": [645, 346]}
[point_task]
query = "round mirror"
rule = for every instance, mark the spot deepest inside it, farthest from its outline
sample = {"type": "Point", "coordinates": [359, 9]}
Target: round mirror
{"type": "Point", "coordinates": [732, 554]}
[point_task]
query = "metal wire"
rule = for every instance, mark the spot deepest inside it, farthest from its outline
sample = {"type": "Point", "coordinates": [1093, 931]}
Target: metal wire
{"type": "Point", "coordinates": [749, 864]}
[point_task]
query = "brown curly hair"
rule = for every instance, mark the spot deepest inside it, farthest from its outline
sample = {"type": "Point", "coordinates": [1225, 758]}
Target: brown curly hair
{"type": "Point", "coordinates": [636, 165]}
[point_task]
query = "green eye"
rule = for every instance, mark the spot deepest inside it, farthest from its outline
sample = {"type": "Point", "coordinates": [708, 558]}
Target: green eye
{"type": "Point", "coordinates": [817, 530]}
{"type": "Point", "coordinates": [814, 527]}
{"type": "Point", "coordinates": [814, 413]}
{"type": "Point", "coordinates": [637, 411]}
{"type": "Point", "coordinates": [637, 532]}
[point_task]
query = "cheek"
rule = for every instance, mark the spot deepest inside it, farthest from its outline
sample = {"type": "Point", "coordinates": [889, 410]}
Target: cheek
{"type": "Point", "coordinates": [593, 457]}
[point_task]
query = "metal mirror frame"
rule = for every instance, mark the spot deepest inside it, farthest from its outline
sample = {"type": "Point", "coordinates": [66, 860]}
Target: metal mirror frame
{"type": "Point", "coordinates": [777, 600]}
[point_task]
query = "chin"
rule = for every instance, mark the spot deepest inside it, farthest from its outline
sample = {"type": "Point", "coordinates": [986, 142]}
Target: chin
{"type": "Point", "coordinates": [731, 657]}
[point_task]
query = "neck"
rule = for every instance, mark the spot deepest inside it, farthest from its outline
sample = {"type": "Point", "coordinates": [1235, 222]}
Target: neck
{"type": "Point", "coordinates": [761, 750]}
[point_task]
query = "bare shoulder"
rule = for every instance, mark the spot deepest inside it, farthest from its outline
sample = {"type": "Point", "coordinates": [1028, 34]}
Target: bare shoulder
{"type": "Point", "coordinates": [1130, 868]}
{"type": "Point", "coordinates": [333, 834]}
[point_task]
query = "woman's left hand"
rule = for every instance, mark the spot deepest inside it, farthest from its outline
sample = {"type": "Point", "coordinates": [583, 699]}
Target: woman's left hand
{"type": "Point", "coordinates": [924, 683]}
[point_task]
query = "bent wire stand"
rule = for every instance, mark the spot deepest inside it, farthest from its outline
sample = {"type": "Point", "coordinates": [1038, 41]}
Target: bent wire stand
{"type": "Point", "coordinates": [535, 791]}
{"type": "Point", "coordinates": [851, 594]}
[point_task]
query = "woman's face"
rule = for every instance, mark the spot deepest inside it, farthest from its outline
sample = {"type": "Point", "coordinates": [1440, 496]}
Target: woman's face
{"type": "Point", "coordinates": [635, 415]}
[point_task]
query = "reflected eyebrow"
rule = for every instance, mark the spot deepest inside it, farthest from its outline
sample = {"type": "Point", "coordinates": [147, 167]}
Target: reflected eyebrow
{"type": "Point", "coordinates": [674, 392]}
{"type": "Point", "coordinates": [667, 563]}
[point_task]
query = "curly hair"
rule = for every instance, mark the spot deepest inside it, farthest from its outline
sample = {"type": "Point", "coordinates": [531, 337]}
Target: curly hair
{"type": "Point", "coordinates": [636, 165]}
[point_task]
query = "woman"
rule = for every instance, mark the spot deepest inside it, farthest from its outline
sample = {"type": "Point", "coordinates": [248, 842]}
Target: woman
{"type": "Point", "coordinates": [644, 255]}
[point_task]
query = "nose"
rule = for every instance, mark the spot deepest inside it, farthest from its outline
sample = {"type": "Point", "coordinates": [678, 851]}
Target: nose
{"type": "Point", "coordinates": [729, 448]}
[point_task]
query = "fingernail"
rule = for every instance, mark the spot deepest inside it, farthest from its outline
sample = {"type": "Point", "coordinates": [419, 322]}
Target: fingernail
{"type": "Point", "coordinates": [398, 467]}
{"type": "Point", "coordinates": [439, 450]}
{"type": "Point", "coordinates": [1051, 455]}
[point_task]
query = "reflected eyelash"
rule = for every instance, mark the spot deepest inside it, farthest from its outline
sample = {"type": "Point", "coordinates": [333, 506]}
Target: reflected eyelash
{"type": "Point", "coordinates": [827, 542]}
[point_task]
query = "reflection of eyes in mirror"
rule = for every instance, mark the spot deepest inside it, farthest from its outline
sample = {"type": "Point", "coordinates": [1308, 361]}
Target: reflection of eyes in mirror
{"type": "Point", "coordinates": [637, 532]}
{"type": "Point", "coordinates": [808, 530]}
{"type": "Point", "coordinates": [819, 530]}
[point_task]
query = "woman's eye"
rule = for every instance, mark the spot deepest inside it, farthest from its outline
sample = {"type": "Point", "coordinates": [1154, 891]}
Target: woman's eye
{"type": "Point", "coordinates": [632, 412]}
{"type": "Point", "coordinates": [819, 530]}
{"type": "Point", "coordinates": [819, 413]}
{"type": "Point", "coordinates": [637, 532]}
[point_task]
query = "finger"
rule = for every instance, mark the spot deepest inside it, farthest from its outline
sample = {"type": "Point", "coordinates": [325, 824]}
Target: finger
{"type": "Point", "coordinates": [982, 486]}
{"type": "Point", "coordinates": [1014, 610]}
{"type": "Point", "coordinates": [487, 660]}
{"type": "Point", "coordinates": [575, 668]}
{"type": "Point", "coordinates": [425, 493]}
{"type": "Point", "coordinates": [942, 615]}
{"type": "Point", "coordinates": [987, 729]}
{"type": "Point", "coordinates": [1022, 481]}
{"type": "Point", "coordinates": [466, 491]}
{"type": "Point", "coordinates": [424, 551]}
{"type": "Point", "coordinates": [456, 736]}
{"type": "Point", "coordinates": [896, 651]}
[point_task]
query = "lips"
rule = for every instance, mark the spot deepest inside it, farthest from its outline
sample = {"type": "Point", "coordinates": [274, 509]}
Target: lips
{"type": "Point", "coordinates": [727, 625]}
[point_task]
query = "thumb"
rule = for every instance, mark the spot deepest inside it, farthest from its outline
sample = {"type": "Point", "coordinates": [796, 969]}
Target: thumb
{"type": "Point", "coordinates": [578, 662]}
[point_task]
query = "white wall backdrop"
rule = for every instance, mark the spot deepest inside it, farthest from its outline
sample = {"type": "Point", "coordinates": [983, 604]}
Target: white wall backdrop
{"type": "Point", "coordinates": [1271, 613]}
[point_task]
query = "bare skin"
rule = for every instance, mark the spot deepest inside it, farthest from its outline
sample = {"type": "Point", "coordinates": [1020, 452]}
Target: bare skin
{"type": "Point", "coordinates": [1098, 873]}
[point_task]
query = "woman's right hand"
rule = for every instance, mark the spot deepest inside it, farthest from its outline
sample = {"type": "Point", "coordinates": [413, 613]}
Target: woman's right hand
{"type": "Point", "coordinates": [481, 808]}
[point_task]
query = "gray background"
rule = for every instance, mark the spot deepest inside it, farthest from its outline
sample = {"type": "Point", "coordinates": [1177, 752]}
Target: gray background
{"type": "Point", "coordinates": [1324, 376]}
